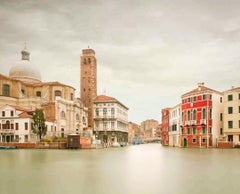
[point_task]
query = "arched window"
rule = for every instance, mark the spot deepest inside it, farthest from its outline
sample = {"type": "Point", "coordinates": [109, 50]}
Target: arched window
{"type": "Point", "coordinates": [194, 114]}
{"type": "Point", "coordinates": [6, 90]}
{"type": "Point", "coordinates": [188, 115]}
{"type": "Point", "coordinates": [7, 125]}
{"type": "Point", "coordinates": [62, 133]}
{"type": "Point", "coordinates": [58, 93]}
{"type": "Point", "coordinates": [77, 117]}
{"type": "Point", "coordinates": [89, 60]}
{"type": "Point", "coordinates": [83, 120]}
{"type": "Point", "coordinates": [204, 113]}
{"type": "Point", "coordinates": [63, 115]}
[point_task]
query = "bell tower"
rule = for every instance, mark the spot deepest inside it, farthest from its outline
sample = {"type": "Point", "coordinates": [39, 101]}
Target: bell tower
{"type": "Point", "coordinates": [88, 82]}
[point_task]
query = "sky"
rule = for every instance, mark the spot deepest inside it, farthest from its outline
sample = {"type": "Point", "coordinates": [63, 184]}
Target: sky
{"type": "Point", "coordinates": [149, 52]}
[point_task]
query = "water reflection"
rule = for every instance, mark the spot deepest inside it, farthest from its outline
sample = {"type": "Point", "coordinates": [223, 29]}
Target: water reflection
{"type": "Point", "coordinates": [138, 169]}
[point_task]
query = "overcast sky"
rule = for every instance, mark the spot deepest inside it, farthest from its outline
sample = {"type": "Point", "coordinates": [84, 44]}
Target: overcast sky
{"type": "Point", "coordinates": [148, 52]}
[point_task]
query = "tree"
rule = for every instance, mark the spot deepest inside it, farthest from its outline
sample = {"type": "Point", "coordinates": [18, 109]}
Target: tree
{"type": "Point", "coordinates": [39, 126]}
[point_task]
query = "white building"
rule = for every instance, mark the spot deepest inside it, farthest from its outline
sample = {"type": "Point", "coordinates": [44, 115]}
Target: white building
{"type": "Point", "coordinates": [174, 126]}
{"type": "Point", "coordinates": [110, 119]}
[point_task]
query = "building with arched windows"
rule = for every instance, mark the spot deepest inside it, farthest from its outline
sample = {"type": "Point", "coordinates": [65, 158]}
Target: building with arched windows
{"type": "Point", "coordinates": [23, 88]}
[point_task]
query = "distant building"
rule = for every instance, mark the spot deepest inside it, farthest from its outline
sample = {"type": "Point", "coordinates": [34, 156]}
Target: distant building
{"type": "Point", "coordinates": [24, 89]}
{"type": "Point", "coordinates": [88, 84]}
{"type": "Point", "coordinates": [174, 125]}
{"type": "Point", "coordinates": [149, 128]}
{"type": "Point", "coordinates": [201, 122]}
{"type": "Point", "coordinates": [110, 119]}
{"type": "Point", "coordinates": [134, 133]}
{"type": "Point", "coordinates": [231, 116]}
{"type": "Point", "coordinates": [165, 126]}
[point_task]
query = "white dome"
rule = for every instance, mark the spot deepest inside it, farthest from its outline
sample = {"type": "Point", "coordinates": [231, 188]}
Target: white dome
{"type": "Point", "coordinates": [24, 70]}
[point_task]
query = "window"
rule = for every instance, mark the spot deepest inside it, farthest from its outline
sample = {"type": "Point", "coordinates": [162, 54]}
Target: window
{"type": "Point", "coordinates": [194, 140]}
{"type": "Point", "coordinates": [17, 138]}
{"type": "Point", "coordinates": [210, 113]}
{"type": "Point", "coordinates": [188, 131]}
{"type": "Point", "coordinates": [38, 94]}
{"type": "Point", "coordinates": [89, 60]}
{"type": "Point", "coordinates": [58, 93]}
{"type": "Point", "coordinates": [204, 97]}
{"type": "Point", "coordinates": [85, 61]}
{"type": "Point", "coordinates": [71, 96]}
{"type": "Point", "coordinates": [62, 133]}
{"type": "Point", "coordinates": [97, 112]}
{"type": "Point", "coordinates": [230, 97]}
{"type": "Point", "coordinates": [3, 113]}
{"type": "Point", "coordinates": [97, 124]}
{"type": "Point", "coordinates": [239, 109]}
{"type": "Point", "coordinates": [194, 131]}
{"type": "Point", "coordinates": [239, 124]}
{"type": "Point", "coordinates": [203, 140]}
{"type": "Point", "coordinates": [104, 125]}
{"type": "Point", "coordinates": [104, 112]}
{"type": "Point", "coordinates": [84, 120]}
{"type": "Point", "coordinates": [23, 91]}
{"type": "Point", "coordinates": [182, 131]}
{"type": "Point", "coordinates": [203, 130]}
{"type": "Point", "coordinates": [112, 124]}
{"type": "Point", "coordinates": [6, 90]}
{"type": "Point", "coordinates": [230, 138]}
{"type": "Point", "coordinates": [182, 116]}
{"type": "Point", "coordinates": [182, 101]}
{"type": "Point", "coordinates": [230, 110]}
{"type": "Point", "coordinates": [112, 112]}
{"type": "Point", "coordinates": [239, 96]}
{"type": "Point", "coordinates": [210, 97]}
{"type": "Point", "coordinates": [194, 98]}
{"type": "Point", "coordinates": [11, 113]}
{"type": "Point", "coordinates": [26, 126]}
{"type": "Point", "coordinates": [16, 126]}
{"type": "Point", "coordinates": [7, 126]}
{"type": "Point", "coordinates": [221, 131]}
{"type": "Point", "coordinates": [221, 99]}
{"type": "Point", "coordinates": [26, 138]}
{"type": "Point", "coordinates": [194, 114]}
{"type": "Point", "coordinates": [188, 115]}
{"type": "Point", "coordinates": [188, 99]}
{"type": "Point", "coordinates": [210, 130]}
{"type": "Point", "coordinates": [221, 116]}
{"type": "Point", "coordinates": [12, 126]}
{"type": "Point", "coordinates": [204, 113]}
{"type": "Point", "coordinates": [230, 124]}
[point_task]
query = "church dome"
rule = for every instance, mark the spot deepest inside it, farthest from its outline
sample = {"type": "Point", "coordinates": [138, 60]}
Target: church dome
{"type": "Point", "coordinates": [24, 70]}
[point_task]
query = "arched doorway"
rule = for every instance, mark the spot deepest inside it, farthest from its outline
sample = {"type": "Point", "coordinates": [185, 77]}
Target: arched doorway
{"type": "Point", "coordinates": [185, 142]}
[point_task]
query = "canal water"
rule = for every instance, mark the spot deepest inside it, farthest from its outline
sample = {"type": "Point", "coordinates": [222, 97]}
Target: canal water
{"type": "Point", "coordinates": [140, 169]}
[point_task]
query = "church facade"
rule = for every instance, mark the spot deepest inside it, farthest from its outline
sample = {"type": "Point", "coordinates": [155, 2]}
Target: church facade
{"type": "Point", "coordinates": [64, 113]}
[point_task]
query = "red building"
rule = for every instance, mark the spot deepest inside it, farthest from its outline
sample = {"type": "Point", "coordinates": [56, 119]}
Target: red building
{"type": "Point", "coordinates": [199, 128]}
{"type": "Point", "coordinates": [165, 126]}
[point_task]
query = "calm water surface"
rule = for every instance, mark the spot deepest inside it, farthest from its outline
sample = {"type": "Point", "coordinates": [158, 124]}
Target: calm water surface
{"type": "Point", "coordinates": [142, 169]}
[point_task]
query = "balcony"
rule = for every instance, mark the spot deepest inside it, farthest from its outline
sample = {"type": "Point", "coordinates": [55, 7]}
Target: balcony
{"type": "Point", "coordinates": [193, 122]}
{"type": "Point", "coordinates": [203, 122]}
{"type": "Point", "coordinates": [6, 130]}
{"type": "Point", "coordinates": [187, 122]}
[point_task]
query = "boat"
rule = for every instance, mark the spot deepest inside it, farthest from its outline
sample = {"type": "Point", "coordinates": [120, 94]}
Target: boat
{"type": "Point", "coordinates": [7, 147]}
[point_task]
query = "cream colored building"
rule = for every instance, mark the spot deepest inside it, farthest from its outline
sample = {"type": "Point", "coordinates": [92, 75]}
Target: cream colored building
{"type": "Point", "coordinates": [174, 126]}
{"type": "Point", "coordinates": [110, 119]}
{"type": "Point", "coordinates": [23, 87]}
{"type": "Point", "coordinates": [231, 115]}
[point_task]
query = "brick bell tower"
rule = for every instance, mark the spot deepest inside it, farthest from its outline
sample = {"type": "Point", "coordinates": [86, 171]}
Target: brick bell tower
{"type": "Point", "coordinates": [88, 82]}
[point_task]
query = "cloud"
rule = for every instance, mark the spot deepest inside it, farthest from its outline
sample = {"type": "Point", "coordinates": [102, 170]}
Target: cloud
{"type": "Point", "coordinates": [148, 52]}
